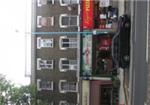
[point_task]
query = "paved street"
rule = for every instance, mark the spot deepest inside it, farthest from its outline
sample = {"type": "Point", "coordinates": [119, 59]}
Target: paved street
{"type": "Point", "coordinates": [139, 64]}
{"type": "Point", "coordinates": [148, 81]}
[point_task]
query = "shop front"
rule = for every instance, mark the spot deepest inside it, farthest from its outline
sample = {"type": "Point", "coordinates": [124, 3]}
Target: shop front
{"type": "Point", "coordinates": [98, 14]}
{"type": "Point", "coordinates": [102, 59]}
{"type": "Point", "coordinates": [101, 92]}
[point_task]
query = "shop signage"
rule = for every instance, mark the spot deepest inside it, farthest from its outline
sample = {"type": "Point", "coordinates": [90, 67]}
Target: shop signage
{"type": "Point", "coordinates": [104, 3]}
{"type": "Point", "coordinates": [87, 56]}
{"type": "Point", "coordinates": [88, 14]}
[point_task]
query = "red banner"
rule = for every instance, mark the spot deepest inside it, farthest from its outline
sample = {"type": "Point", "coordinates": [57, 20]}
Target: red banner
{"type": "Point", "coordinates": [88, 14]}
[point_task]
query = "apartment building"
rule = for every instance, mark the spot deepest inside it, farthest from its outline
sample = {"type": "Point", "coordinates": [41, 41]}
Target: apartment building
{"type": "Point", "coordinates": [55, 54]}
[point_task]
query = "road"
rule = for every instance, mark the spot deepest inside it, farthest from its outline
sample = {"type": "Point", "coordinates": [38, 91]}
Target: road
{"type": "Point", "coordinates": [148, 83]}
{"type": "Point", "coordinates": [139, 64]}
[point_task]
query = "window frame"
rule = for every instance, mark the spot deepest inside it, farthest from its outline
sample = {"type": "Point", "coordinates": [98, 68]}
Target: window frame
{"type": "Point", "coordinates": [62, 102]}
{"type": "Point", "coordinates": [39, 41]}
{"type": "Point", "coordinates": [66, 91]}
{"type": "Point", "coordinates": [67, 15]}
{"type": "Point", "coordinates": [40, 17]}
{"type": "Point", "coordinates": [71, 67]}
{"type": "Point", "coordinates": [40, 68]}
{"type": "Point", "coordinates": [69, 43]}
{"type": "Point", "coordinates": [40, 89]}
{"type": "Point", "coordinates": [65, 4]}
{"type": "Point", "coordinates": [40, 4]}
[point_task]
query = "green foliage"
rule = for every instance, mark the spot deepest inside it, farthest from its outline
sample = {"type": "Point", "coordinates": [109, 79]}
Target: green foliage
{"type": "Point", "coordinates": [11, 94]}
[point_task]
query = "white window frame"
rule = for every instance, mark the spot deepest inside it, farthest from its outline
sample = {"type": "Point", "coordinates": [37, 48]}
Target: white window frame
{"type": "Point", "coordinates": [66, 26]}
{"type": "Point", "coordinates": [64, 102]}
{"type": "Point", "coordinates": [38, 64]}
{"type": "Point", "coordinates": [65, 91]}
{"type": "Point", "coordinates": [40, 89]}
{"type": "Point", "coordinates": [72, 67]}
{"type": "Point", "coordinates": [49, 103]}
{"type": "Point", "coordinates": [40, 42]}
{"type": "Point", "coordinates": [65, 37]}
{"type": "Point", "coordinates": [39, 4]}
{"type": "Point", "coordinates": [38, 21]}
{"type": "Point", "coordinates": [65, 4]}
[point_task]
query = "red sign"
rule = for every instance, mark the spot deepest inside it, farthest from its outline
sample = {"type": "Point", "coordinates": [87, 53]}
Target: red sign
{"type": "Point", "coordinates": [87, 54]}
{"type": "Point", "coordinates": [88, 14]}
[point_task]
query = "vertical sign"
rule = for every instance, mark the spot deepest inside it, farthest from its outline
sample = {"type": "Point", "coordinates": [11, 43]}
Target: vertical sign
{"type": "Point", "coordinates": [87, 55]}
{"type": "Point", "coordinates": [88, 14]}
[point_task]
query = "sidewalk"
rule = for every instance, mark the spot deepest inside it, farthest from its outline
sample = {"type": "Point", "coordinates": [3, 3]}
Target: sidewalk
{"type": "Point", "coordinates": [121, 91]}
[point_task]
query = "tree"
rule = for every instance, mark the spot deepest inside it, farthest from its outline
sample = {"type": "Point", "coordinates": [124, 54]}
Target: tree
{"type": "Point", "coordinates": [10, 94]}
{"type": "Point", "coordinates": [24, 95]}
{"type": "Point", "coordinates": [5, 90]}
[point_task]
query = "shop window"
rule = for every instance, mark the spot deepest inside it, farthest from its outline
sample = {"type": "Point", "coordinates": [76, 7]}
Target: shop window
{"type": "Point", "coordinates": [44, 85]}
{"type": "Point", "coordinates": [66, 64]}
{"type": "Point", "coordinates": [66, 21]}
{"type": "Point", "coordinates": [44, 2]}
{"type": "Point", "coordinates": [45, 21]}
{"type": "Point", "coordinates": [68, 2]}
{"type": "Point", "coordinates": [44, 42]}
{"type": "Point", "coordinates": [44, 64]}
{"type": "Point", "coordinates": [66, 42]}
{"type": "Point", "coordinates": [65, 86]}
{"type": "Point", "coordinates": [106, 94]}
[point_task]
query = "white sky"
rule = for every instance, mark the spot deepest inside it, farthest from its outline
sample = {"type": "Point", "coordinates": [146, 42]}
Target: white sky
{"type": "Point", "coordinates": [12, 43]}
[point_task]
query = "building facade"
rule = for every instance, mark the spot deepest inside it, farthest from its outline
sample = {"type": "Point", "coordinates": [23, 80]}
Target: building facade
{"type": "Point", "coordinates": [55, 57]}
{"type": "Point", "coordinates": [71, 62]}
{"type": "Point", "coordinates": [98, 17]}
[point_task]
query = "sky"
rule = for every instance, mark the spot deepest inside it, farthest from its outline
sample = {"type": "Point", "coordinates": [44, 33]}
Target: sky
{"type": "Point", "coordinates": [14, 47]}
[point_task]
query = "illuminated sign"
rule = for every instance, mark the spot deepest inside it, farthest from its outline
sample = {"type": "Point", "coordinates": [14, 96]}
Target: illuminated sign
{"type": "Point", "coordinates": [87, 14]}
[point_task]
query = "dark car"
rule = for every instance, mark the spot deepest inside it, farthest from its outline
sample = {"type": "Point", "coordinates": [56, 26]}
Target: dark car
{"type": "Point", "coordinates": [121, 43]}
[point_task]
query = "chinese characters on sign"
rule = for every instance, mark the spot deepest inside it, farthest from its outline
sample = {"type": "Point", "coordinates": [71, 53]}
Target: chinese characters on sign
{"type": "Point", "coordinates": [88, 14]}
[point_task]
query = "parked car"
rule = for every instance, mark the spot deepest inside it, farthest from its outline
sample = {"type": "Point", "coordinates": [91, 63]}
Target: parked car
{"type": "Point", "coordinates": [121, 43]}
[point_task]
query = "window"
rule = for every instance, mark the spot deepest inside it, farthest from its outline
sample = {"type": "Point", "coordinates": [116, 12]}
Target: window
{"type": "Point", "coordinates": [44, 2]}
{"type": "Point", "coordinates": [65, 64]}
{"type": "Point", "coordinates": [44, 43]}
{"type": "Point", "coordinates": [65, 86]}
{"type": "Point", "coordinates": [44, 85]}
{"type": "Point", "coordinates": [44, 64]}
{"type": "Point", "coordinates": [68, 2]}
{"type": "Point", "coordinates": [66, 21]}
{"type": "Point", "coordinates": [45, 21]}
{"type": "Point", "coordinates": [65, 42]}
{"type": "Point", "coordinates": [105, 95]}
{"type": "Point", "coordinates": [65, 103]}
{"type": "Point", "coordinates": [46, 102]}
